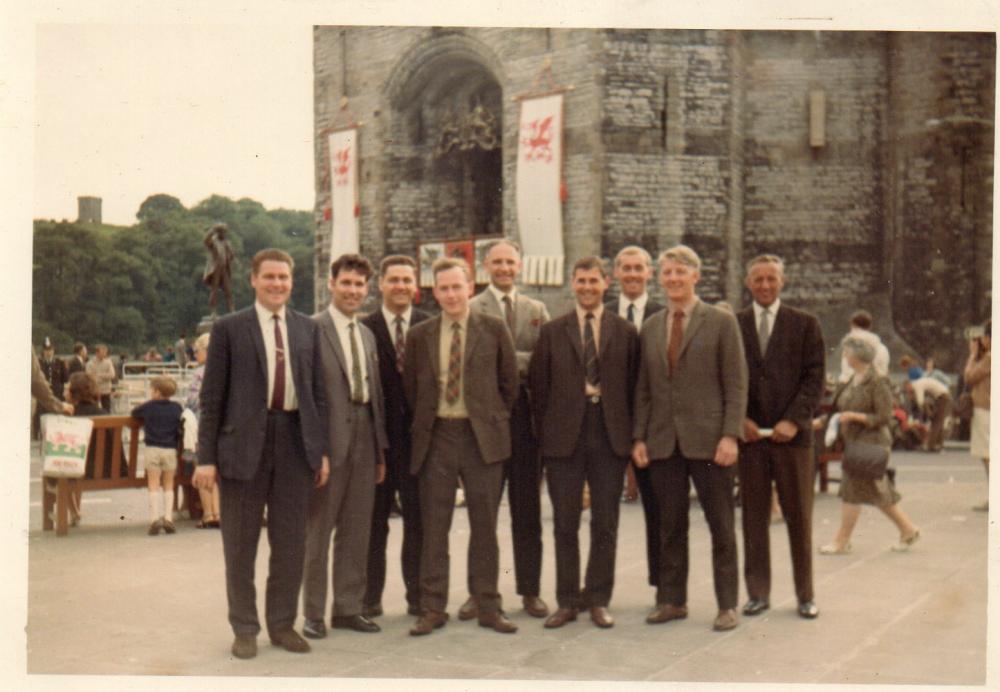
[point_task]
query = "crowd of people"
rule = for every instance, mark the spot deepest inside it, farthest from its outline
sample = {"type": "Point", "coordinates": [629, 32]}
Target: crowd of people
{"type": "Point", "coordinates": [324, 421]}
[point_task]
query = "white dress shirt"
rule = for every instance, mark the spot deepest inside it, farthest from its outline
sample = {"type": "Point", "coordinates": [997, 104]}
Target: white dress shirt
{"type": "Point", "coordinates": [772, 313]}
{"type": "Point", "coordinates": [390, 321]}
{"type": "Point", "coordinates": [341, 322]}
{"type": "Point", "coordinates": [266, 319]}
{"type": "Point", "coordinates": [640, 308]}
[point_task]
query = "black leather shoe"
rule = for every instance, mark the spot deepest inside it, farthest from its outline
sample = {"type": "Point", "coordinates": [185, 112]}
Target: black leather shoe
{"type": "Point", "coordinates": [561, 617]}
{"type": "Point", "coordinates": [808, 610]}
{"type": "Point", "coordinates": [756, 606]}
{"type": "Point", "coordinates": [428, 622]}
{"type": "Point", "coordinates": [372, 611]}
{"type": "Point", "coordinates": [498, 622]}
{"type": "Point", "coordinates": [469, 609]}
{"type": "Point", "coordinates": [289, 640]}
{"type": "Point", "coordinates": [600, 616]}
{"type": "Point", "coordinates": [245, 646]}
{"type": "Point", "coordinates": [314, 629]}
{"type": "Point", "coordinates": [535, 607]}
{"type": "Point", "coordinates": [358, 623]}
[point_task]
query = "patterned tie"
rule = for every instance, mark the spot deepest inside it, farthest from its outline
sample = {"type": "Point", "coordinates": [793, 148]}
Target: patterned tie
{"type": "Point", "coordinates": [590, 352]}
{"type": "Point", "coordinates": [764, 331]}
{"type": "Point", "coordinates": [400, 344]}
{"type": "Point", "coordinates": [676, 336]}
{"type": "Point", "coordinates": [357, 384]}
{"type": "Point", "coordinates": [278, 395]}
{"type": "Point", "coordinates": [454, 385]}
{"type": "Point", "coordinates": [508, 313]}
{"type": "Point", "coordinates": [631, 313]}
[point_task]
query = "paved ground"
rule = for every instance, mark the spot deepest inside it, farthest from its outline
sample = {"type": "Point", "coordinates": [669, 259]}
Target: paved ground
{"type": "Point", "coordinates": [108, 599]}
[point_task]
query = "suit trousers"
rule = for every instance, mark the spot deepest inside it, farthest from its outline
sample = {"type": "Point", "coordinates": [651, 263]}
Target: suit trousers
{"type": "Point", "coordinates": [523, 475]}
{"type": "Point", "coordinates": [595, 462]}
{"type": "Point", "coordinates": [397, 480]}
{"type": "Point", "coordinates": [282, 483]}
{"type": "Point", "coordinates": [454, 453]}
{"type": "Point", "coordinates": [651, 512]}
{"type": "Point", "coordinates": [345, 504]}
{"type": "Point", "coordinates": [714, 485]}
{"type": "Point", "coordinates": [791, 469]}
{"type": "Point", "coordinates": [940, 408]}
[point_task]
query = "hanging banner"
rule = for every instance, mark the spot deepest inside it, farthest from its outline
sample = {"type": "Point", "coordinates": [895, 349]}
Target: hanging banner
{"type": "Point", "coordinates": [539, 176]}
{"type": "Point", "coordinates": [344, 192]}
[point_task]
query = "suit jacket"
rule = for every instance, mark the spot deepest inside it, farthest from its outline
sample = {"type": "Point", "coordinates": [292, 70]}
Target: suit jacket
{"type": "Point", "coordinates": [489, 384]}
{"type": "Point", "coordinates": [787, 383]}
{"type": "Point", "coordinates": [75, 365]}
{"type": "Point", "coordinates": [337, 383]}
{"type": "Point", "coordinates": [707, 396]}
{"type": "Point", "coordinates": [557, 376]}
{"type": "Point", "coordinates": [529, 316]}
{"type": "Point", "coordinates": [233, 421]}
{"type": "Point", "coordinates": [397, 412]}
{"type": "Point", "coordinates": [652, 307]}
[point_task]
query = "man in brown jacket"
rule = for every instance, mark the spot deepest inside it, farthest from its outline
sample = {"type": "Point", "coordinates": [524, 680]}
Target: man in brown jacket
{"type": "Point", "coordinates": [690, 402]}
{"type": "Point", "coordinates": [460, 378]}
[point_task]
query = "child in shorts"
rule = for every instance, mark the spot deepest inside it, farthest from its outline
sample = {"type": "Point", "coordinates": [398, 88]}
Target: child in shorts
{"type": "Point", "coordinates": [162, 419]}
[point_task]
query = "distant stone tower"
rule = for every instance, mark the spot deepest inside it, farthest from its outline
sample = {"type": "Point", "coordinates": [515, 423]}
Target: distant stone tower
{"type": "Point", "coordinates": [89, 209]}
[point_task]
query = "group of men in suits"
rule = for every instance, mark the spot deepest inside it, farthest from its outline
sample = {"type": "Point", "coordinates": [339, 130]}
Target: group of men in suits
{"type": "Point", "coordinates": [325, 420]}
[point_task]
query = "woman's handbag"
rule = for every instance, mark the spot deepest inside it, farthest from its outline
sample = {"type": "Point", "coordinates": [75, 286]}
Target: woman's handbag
{"type": "Point", "coordinates": [865, 460]}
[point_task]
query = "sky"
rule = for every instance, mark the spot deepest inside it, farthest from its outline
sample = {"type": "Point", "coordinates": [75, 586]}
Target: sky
{"type": "Point", "coordinates": [123, 111]}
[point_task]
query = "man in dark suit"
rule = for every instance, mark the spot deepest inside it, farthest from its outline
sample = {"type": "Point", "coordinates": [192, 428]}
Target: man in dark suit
{"type": "Point", "coordinates": [633, 269]}
{"type": "Point", "coordinates": [461, 381]}
{"type": "Point", "coordinates": [390, 323]}
{"type": "Point", "coordinates": [524, 318]}
{"type": "Point", "coordinates": [78, 363]}
{"type": "Point", "coordinates": [357, 463]}
{"type": "Point", "coordinates": [785, 356]}
{"type": "Point", "coordinates": [690, 403]}
{"type": "Point", "coordinates": [582, 381]}
{"type": "Point", "coordinates": [263, 432]}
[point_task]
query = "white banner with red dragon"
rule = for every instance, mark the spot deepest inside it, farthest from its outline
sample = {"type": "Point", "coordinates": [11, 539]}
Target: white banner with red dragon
{"type": "Point", "coordinates": [539, 177]}
{"type": "Point", "coordinates": [344, 192]}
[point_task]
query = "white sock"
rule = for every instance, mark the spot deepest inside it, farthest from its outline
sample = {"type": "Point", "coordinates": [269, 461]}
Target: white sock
{"type": "Point", "coordinates": [168, 505]}
{"type": "Point", "coordinates": [154, 506]}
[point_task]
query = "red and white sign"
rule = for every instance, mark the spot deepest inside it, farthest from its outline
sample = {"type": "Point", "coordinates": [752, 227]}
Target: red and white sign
{"type": "Point", "coordinates": [343, 147]}
{"type": "Point", "coordinates": [539, 176]}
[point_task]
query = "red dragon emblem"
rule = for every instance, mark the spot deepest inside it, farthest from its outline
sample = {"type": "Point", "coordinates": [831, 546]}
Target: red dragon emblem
{"type": "Point", "coordinates": [342, 166]}
{"type": "Point", "coordinates": [537, 140]}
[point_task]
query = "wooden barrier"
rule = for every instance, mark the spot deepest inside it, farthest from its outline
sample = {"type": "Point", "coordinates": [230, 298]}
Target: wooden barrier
{"type": "Point", "coordinates": [105, 470]}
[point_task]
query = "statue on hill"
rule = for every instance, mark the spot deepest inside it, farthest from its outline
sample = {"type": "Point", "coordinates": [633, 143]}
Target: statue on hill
{"type": "Point", "coordinates": [218, 269]}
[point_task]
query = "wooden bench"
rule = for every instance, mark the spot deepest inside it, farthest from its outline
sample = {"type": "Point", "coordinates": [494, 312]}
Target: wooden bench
{"type": "Point", "coordinates": [104, 464]}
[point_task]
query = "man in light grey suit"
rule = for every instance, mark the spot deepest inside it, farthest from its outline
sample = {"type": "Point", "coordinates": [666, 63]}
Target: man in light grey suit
{"type": "Point", "coordinates": [690, 403]}
{"type": "Point", "coordinates": [357, 456]}
{"type": "Point", "coordinates": [524, 318]}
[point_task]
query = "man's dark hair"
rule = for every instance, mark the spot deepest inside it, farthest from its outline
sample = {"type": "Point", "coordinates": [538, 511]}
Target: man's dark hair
{"type": "Point", "coordinates": [83, 389]}
{"type": "Point", "coordinates": [271, 254]}
{"type": "Point", "coordinates": [351, 262]}
{"type": "Point", "coordinates": [588, 263]}
{"type": "Point", "coordinates": [79, 347]}
{"type": "Point", "coordinates": [862, 319]}
{"type": "Point", "coordinates": [395, 260]}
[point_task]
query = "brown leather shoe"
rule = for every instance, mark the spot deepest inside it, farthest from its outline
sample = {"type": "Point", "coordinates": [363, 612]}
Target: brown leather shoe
{"type": "Point", "coordinates": [498, 622]}
{"type": "Point", "coordinates": [561, 617]}
{"type": "Point", "coordinates": [535, 606]}
{"type": "Point", "coordinates": [601, 617]}
{"type": "Point", "coordinates": [665, 612]}
{"type": "Point", "coordinates": [428, 622]}
{"type": "Point", "coordinates": [245, 646]}
{"type": "Point", "coordinates": [725, 620]}
{"type": "Point", "coordinates": [289, 640]}
{"type": "Point", "coordinates": [469, 609]}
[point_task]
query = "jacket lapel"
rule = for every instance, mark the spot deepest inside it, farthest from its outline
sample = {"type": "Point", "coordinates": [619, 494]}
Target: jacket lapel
{"type": "Point", "coordinates": [573, 332]}
{"type": "Point", "coordinates": [779, 324]}
{"type": "Point", "coordinates": [257, 337]}
{"type": "Point", "coordinates": [471, 338]}
{"type": "Point", "coordinates": [697, 318]}
{"type": "Point", "coordinates": [333, 341]}
{"type": "Point", "coordinates": [434, 347]}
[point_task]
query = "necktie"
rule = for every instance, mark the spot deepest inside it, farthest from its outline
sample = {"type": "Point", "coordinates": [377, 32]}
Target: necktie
{"type": "Point", "coordinates": [400, 344]}
{"type": "Point", "coordinates": [676, 336]}
{"type": "Point", "coordinates": [631, 313]}
{"type": "Point", "coordinates": [508, 313]}
{"type": "Point", "coordinates": [454, 384]}
{"type": "Point", "coordinates": [763, 332]}
{"type": "Point", "coordinates": [590, 352]}
{"type": "Point", "coordinates": [278, 395]}
{"type": "Point", "coordinates": [357, 384]}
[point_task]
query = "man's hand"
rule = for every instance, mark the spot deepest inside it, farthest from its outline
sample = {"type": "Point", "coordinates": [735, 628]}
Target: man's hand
{"type": "Point", "coordinates": [323, 475]}
{"type": "Point", "coordinates": [204, 477]}
{"type": "Point", "coordinates": [751, 432]}
{"type": "Point", "coordinates": [68, 409]}
{"type": "Point", "coordinates": [380, 473]}
{"type": "Point", "coordinates": [639, 454]}
{"type": "Point", "coordinates": [784, 431]}
{"type": "Point", "coordinates": [726, 451]}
